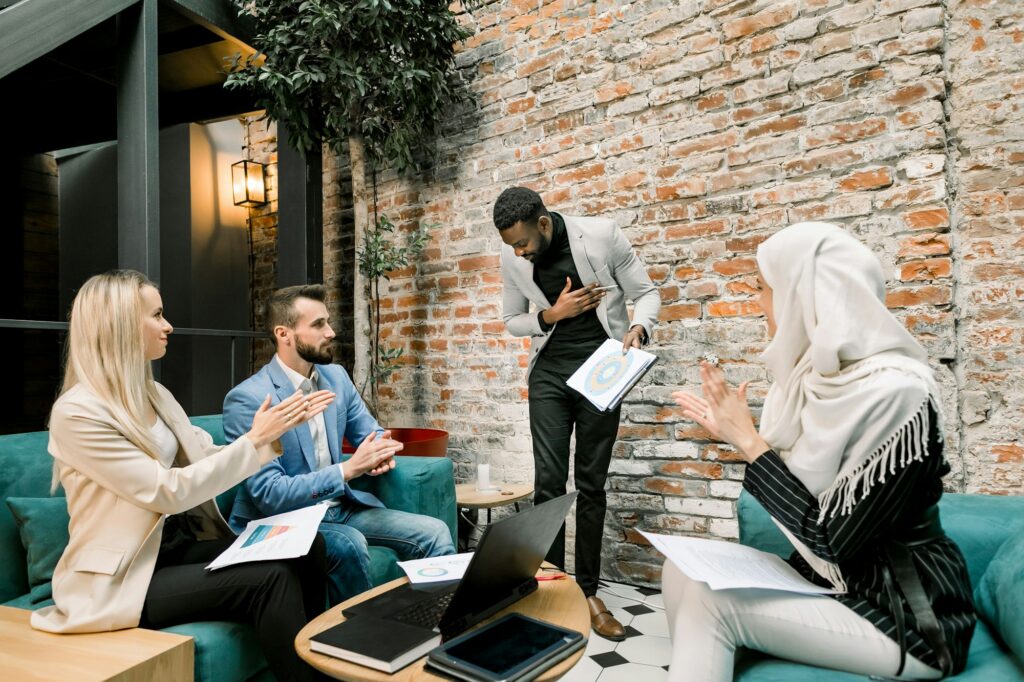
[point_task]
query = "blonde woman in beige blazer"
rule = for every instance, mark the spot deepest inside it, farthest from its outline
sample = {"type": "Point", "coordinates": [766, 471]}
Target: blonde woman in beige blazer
{"type": "Point", "coordinates": [140, 482]}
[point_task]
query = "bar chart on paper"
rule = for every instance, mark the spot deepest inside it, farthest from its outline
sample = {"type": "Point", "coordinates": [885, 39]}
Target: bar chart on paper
{"type": "Point", "coordinates": [264, 532]}
{"type": "Point", "coordinates": [283, 536]}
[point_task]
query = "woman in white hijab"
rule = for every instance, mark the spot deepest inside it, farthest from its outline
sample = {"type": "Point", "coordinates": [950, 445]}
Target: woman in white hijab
{"type": "Point", "coordinates": [848, 461]}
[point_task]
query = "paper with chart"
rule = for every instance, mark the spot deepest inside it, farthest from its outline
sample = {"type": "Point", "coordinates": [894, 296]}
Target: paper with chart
{"type": "Point", "coordinates": [436, 569]}
{"type": "Point", "coordinates": [283, 536]}
{"type": "Point", "coordinates": [608, 375]}
{"type": "Point", "coordinates": [727, 565]}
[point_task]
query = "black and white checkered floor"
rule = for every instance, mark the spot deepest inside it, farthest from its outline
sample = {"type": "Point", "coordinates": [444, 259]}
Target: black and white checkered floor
{"type": "Point", "coordinates": [645, 653]}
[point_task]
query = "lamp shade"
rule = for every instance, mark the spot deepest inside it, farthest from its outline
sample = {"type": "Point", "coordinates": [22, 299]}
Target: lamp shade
{"type": "Point", "coordinates": [248, 183]}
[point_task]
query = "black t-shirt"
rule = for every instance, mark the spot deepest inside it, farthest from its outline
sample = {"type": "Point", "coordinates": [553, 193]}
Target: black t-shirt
{"type": "Point", "coordinates": [574, 338]}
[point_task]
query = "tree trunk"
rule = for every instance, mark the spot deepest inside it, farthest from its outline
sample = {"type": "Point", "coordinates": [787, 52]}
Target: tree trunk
{"type": "Point", "coordinates": [363, 341]}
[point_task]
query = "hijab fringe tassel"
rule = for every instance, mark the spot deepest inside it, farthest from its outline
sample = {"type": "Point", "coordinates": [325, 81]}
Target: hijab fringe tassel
{"type": "Point", "coordinates": [907, 444]}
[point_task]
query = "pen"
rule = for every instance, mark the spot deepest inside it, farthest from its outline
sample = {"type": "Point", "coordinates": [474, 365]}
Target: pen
{"type": "Point", "coordinates": [606, 287]}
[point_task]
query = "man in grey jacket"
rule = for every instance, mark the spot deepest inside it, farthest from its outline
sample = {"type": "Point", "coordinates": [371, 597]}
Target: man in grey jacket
{"type": "Point", "coordinates": [578, 273]}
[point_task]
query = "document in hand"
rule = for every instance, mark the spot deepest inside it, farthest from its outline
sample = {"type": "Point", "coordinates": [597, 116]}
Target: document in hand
{"type": "Point", "coordinates": [608, 375]}
{"type": "Point", "coordinates": [283, 536]}
{"type": "Point", "coordinates": [725, 565]}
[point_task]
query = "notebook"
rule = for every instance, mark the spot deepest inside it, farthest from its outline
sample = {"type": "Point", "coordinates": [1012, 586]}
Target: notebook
{"type": "Point", "coordinates": [360, 640]}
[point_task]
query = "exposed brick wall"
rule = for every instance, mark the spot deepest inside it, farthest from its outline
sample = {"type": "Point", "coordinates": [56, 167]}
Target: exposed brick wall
{"type": "Point", "coordinates": [339, 252]}
{"type": "Point", "coordinates": [986, 72]}
{"type": "Point", "coordinates": [701, 128]}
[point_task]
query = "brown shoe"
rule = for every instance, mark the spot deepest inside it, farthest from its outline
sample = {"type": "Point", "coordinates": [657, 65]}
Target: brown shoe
{"type": "Point", "coordinates": [603, 622]}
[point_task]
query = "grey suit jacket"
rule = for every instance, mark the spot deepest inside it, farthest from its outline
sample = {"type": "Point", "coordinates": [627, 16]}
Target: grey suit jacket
{"type": "Point", "coordinates": [602, 254]}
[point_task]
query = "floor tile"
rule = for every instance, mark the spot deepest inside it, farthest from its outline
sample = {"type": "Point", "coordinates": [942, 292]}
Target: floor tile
{"type": "Point", "coordinates": [639, 609]}
{"type": "Point", "coordinates": [598, 645]}
{"type": "Point", "coordinates": [653, 623]}
{"type": "Point", "coordinates": [609, 659]}
{"type": "Point", "coordinates": [587, 670]}
{"type": "Point", "coordinates": [646, 650]}
{"type": "Point", "coordinates": [632, 672]}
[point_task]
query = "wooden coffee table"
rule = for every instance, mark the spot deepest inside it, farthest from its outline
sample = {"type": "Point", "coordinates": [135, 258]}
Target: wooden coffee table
{"type": "Point", "coordinates": [557, 601]}
{"type": "Point", "coordinates": [134, 655]}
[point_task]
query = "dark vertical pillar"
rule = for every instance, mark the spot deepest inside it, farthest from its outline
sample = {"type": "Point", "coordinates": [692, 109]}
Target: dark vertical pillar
{"type": "Point", "coordinates": [300, 241]}
{"type": "Point", "coordinates": [138, 167]}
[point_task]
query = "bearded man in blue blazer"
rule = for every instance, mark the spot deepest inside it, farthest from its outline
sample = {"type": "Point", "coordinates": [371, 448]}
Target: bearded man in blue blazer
{"type": "Point", "coordinates": [311, 470]}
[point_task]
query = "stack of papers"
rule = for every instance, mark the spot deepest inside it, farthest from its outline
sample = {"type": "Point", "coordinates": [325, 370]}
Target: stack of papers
{"type": "Point", "coordinates": [727, 565]}
{"type": "Point", "coordinates": [608, 375]}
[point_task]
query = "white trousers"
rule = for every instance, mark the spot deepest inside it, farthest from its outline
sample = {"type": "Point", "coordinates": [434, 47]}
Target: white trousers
{"type": "Point", "coordinates": [707, 626]}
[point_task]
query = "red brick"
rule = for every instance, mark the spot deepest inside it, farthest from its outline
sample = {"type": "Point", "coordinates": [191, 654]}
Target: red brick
{"type": "Point", "coordinates": [734, 309]}
{"type": "Point", "coordinates": [778, 125]}
{"type": "Point", "coordinates": [479, 263]}
{"type": "Point", "coordinates": [612, 91]}
{"type": "Point", "coordinates": [698, 229]}
{"type": "Point", "coordinates": [690, 187]}
{"type": "Point", "coordinates": [758, 22]}
{"type": "Point", "coordinates": [711, 470]}
{"type": "Point", "coordinates": [927, 219]}
{"type": "Point", "coordinates": [932, 268]}
{"type": "Point", "coordinates": [846, 132]}
{"type": "Point", "coordinates": [680, 311]}
{"type": "Point", "coordinates": [866, 180]}
{"type": "Point", "coordinates": [736, 266]}
{"type": "Point", "coordinates": [926, 295]}
{"type": "Point", "coordinates": [929, 244]}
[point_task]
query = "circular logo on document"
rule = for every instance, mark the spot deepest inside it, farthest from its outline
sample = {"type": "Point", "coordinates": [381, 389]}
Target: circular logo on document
{"type": "Point", "coordinates": [607, 372]}
{"type": "Point", "coordinates": [432, 572]}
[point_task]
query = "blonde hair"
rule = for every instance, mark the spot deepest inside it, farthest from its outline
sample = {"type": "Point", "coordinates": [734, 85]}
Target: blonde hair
{"type": "Point", "coordinates": [105, 351]}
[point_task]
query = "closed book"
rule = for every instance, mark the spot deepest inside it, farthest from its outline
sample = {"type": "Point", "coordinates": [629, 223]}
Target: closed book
{"type": "Point", "coordinates": [385, 645]}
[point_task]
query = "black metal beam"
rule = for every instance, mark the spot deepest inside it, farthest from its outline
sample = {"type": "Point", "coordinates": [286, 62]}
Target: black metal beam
{"type": "Point", "coordinates": [138, 163]}
{"type": "Point", "coordinates": [31, 28]}
{"type": "Point", "coordinates": [220, 17]}
{"type": "Point", "coordinates": [300, 241]}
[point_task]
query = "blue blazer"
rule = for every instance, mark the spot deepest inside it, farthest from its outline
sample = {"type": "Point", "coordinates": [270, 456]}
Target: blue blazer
{"type": "Point", "coordinates": [292, 481]}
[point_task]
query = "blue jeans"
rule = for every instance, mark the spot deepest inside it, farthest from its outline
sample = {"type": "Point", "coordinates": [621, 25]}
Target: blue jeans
{"type": "Point", "coordinates": [349, 531]}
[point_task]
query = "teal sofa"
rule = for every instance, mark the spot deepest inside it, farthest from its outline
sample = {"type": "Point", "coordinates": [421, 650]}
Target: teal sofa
{"type": "Point", "coordinates": [224, 651]}
{"type": "Point", "coordinates": [979, 524]}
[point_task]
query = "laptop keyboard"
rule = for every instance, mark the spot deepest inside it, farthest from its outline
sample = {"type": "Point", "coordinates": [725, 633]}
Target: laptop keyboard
{"type": "Point", "coordinates": [426, 613]}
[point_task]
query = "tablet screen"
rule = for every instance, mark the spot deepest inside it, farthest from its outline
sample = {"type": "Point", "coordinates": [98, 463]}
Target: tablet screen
{"type": "Point", "coordinates": [501, 648]}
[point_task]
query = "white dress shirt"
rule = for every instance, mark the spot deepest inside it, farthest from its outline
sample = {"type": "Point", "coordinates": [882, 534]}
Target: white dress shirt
{"type": "Point", "coordinates": [317, 426]}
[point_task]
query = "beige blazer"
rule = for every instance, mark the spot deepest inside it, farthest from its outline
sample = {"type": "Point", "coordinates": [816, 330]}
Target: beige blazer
{"type": "Point", "coordinates": [601, 254]}
{"type": "Point", "coordinates": [118, 497]}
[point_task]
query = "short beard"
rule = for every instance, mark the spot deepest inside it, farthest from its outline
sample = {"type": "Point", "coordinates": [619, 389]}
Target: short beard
{"type": "Point", "coordinates": [311, 354]}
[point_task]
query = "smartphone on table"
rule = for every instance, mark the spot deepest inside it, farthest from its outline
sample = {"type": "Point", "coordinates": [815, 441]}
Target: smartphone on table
{"type": "Point", "coordinates": [514, 648]}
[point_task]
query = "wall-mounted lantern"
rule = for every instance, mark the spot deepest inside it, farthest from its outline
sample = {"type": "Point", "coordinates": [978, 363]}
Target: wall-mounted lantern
{"type": "Point", "coordinates": [248, 183]}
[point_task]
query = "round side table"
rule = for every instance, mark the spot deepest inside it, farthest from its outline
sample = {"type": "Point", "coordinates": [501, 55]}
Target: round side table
{"type": "Point", "coordinates": [468, 497]}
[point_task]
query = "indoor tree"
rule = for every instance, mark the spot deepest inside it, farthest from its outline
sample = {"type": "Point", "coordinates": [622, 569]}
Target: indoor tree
{"type": "Point", "coordinates": [374, 78]}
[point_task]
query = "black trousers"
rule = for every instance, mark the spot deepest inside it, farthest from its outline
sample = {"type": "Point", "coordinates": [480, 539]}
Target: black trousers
{"type": "Point", "coordinates": [555, 410]}
{"type": "Point", "coordinates": [277, 597]}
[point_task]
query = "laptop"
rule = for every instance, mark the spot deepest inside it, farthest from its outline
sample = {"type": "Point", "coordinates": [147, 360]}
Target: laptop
{"type": "Point", "coordinates": [500, 573]}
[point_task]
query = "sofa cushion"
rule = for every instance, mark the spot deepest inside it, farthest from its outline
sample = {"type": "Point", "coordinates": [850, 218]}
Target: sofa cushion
{"type": "Point", "coordinates": [225, 650]}
{"type": "Point", "coordinates": [999, 596]}
{"type": "Point", "coordinates": [25, 472]}
{"type": "Point", "coordinates": [43, 527]}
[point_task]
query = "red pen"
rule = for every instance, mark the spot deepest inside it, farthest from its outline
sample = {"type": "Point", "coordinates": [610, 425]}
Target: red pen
{"type": "Point", "coordinates": [551, 576]}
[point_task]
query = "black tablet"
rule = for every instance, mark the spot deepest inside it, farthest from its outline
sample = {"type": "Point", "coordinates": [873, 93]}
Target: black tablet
{"type": "Point", "coordinates": [515, 648]}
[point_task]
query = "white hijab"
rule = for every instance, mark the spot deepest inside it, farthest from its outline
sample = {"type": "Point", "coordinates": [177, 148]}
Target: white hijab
{"type": "Point", "coordinates": [850, 383]}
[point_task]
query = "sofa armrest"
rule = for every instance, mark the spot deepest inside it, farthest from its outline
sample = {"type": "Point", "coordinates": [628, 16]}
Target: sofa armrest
{"type": "Point", "coordinates": [757, 528]}
{"type": "Point", "coordinates": [421, 485]}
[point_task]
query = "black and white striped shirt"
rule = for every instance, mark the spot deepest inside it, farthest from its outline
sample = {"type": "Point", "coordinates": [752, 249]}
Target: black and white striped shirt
{"type": "Point", "coordinates": [855, 542]}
